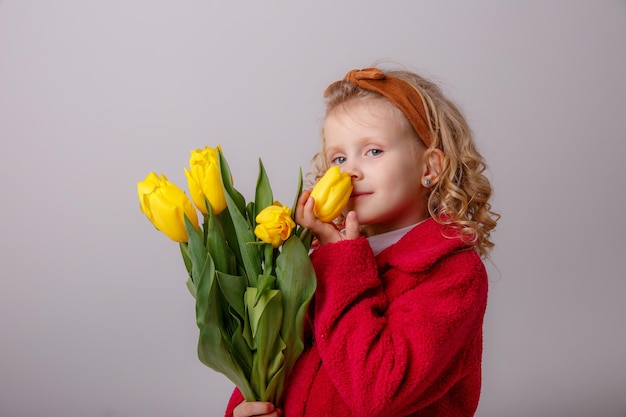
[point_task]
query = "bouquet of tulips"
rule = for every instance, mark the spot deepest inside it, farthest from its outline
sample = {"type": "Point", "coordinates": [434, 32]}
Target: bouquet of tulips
{"type": "Point", "coordinates": [248, 267]}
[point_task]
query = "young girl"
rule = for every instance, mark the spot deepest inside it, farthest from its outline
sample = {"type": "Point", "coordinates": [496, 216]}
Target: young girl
{"type": "Point", "coordinates": [395, 328]}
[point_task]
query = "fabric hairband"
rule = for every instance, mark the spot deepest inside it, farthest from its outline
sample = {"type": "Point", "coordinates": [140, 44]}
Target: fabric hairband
{"type": "Point", "coordinates": [396, 90]}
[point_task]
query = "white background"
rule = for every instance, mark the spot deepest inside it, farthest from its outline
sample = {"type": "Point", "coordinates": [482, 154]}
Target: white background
{"type": "Point", "coordinates": [95, 318]}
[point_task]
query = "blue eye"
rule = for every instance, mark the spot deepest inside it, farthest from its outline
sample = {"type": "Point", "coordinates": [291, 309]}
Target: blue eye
{"type": "Point", "coordinates": [339, 160]}
{"type": "Point", "coordinates": [375, 152]}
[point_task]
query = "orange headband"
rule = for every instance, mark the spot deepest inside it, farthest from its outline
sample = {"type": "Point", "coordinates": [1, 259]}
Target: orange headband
{"type": "Point", "coordinates": [399, 92]}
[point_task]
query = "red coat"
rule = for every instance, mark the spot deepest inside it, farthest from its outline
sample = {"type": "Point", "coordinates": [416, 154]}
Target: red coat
{"type": "Point", "coordinates": [399, 334]}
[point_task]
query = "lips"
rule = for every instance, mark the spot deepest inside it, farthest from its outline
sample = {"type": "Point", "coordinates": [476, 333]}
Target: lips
{"type": "Point", "coordinates": [358, 194]}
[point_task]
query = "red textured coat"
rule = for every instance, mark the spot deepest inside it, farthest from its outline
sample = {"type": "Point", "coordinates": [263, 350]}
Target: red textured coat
{"type": "Point", "coordinates": [399, 334]}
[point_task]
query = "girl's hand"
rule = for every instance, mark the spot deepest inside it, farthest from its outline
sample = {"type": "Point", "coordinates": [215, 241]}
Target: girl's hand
{"type": "Point", "coordinates": [256, 408]}
{"type": "Point", "coordinates": [325, 232]}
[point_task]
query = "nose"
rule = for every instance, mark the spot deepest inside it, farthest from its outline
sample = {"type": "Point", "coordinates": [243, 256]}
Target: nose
{"type": "Point", "coordinates": [352, 168]}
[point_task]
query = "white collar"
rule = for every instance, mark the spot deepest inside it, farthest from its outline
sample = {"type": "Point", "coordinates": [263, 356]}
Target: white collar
{"type": "Point", "coordinates": [382, 241]}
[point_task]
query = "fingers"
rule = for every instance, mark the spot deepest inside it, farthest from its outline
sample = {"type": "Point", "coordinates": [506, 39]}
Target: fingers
{"type": "Point", "coordinates": [256, 408]}
{"type": "Point", "coordinates": [352, 228]}
{"type": "Point", "coordinates": [302, 210]}
{"type": "Point", "coordinates": [325, 232]}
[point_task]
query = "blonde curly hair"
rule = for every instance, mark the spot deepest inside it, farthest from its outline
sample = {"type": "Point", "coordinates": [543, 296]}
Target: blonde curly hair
{"type": "Point", "coordinates": [460, 199]}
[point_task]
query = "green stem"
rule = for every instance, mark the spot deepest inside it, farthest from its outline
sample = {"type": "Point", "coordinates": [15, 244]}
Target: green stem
{"type": "Point", "coordinates": [205, 228]}
{"type": "Point", "coordinates": [306, 237]}
{"type": "Point", "coordinates": [268, 266]}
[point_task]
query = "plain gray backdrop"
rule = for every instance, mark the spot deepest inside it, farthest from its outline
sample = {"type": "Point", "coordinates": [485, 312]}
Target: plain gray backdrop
{"type": "Point", "coordinates": [95, 318]}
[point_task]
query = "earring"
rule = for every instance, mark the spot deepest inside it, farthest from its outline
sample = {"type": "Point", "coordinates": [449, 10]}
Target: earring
{"type": "Point", "coordinates": [427, 182]}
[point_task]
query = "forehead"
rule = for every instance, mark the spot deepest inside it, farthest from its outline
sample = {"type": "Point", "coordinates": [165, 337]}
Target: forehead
{"type": "Point", "coordinates": [370, 107]}
{"type": "Point", "coordinates": [365, 116]}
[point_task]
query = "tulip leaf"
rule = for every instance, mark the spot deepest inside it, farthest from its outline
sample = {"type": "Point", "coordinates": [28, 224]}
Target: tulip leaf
{"type": "Point", "coordinates": [264, 314]}
{"type": "Point", "coordinates": [251, 214]}
{"type": "Point", "coordinates": [264, 284]}
{"type": "Point", "coordinates": [228, 228]}
{"type": "Point", "coordinates": [184, 250]}
{"type": "Point", "coordinates": [297, 282]}
{"type": "Point", "coordinates": [250, 255]}
{"type": "Point", "coordinates": [263, 195]}
{"type": "Point", "coordinates": [221, 252]}
{"type": "Point", "coordinates": [232, 287]}
{"type": "Point", "coordinates": [216, 352]}
{"type": "Point", "coordinates": [202, 271]}
{"type": "Point", "coordinates": [242, 351]}
{"type": "Point", "coordinates": [268, 263]}
{"type": "Point", "coordinates": [194, 249]}
{"type": "Point", "coordinates": [298, 192]}
{"type": "Point", "coordinates": [237, 197]}
{"type": "Point", "coordinates": [277, 372]}
{"type": "Point", "coordinates": [214, 347]}
{"type": "Point", "coordinates": [191, 287]}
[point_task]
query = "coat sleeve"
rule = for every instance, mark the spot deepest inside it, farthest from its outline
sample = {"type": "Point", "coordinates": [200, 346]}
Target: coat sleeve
{"type": "Point", "coordinates": [393, 357]}
{"type": "Point", "coordinates": [235, 399]}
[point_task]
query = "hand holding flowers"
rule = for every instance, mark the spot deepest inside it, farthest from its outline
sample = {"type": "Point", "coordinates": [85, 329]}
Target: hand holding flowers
{"type": "Point", "coordinates": [317, 209]}
{"type": "Point", "coordinates": [331, 194]}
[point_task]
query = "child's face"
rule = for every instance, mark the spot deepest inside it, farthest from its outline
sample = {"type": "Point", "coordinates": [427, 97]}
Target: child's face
{"type": "Point", "coordinates": [371, 141]}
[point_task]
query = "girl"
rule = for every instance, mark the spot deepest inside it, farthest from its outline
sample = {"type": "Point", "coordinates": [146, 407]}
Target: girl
{"type": "Point", "coordinates": [396, 324]}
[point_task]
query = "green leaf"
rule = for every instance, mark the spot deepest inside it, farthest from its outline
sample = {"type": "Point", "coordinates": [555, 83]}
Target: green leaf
{"type": "Point", "coordinates": [250, 256]}
{"type": "Point", "coordinates": [233, 287]}
{"type": "Point", "coordinates": [202, 270]}
{"type": "Point", "coordinates": [215, 352]}
{"type": "Point", "coordinates": [263, 192]}
{"type": "Point", "coordinates": [230, 235]}
{"type": "Point", "coordinates": [251, 214]}
{"type": "Point", "coordinates": [184, 251]}
{"type": "Point", "coordinates": [242, 351]}
{"type": "Point", "coordinates": [191, 287]}
{"type": "Point", "coordinates": [264, 316]}
{"type": "Point", "coordinates": [265, 283]}
{"type": "Point", "coordinates": [236, 196]}
{"type": "Point", "coordinates": [277, 373]}
{"type": "Point", "coordinates": [214, 347]}
{"type": "Point", "coordinates": [268, 262]}
{"type": "Point", "coordinates": [193, 251]}
{"type": "Point", "coordinates": [216, 242]}
{"type": "Point", "coordinates": [306, 237]}
{"type": "Point", "coordinates": [298, 192]}
{"type": "Point", "coordinates": [297, 282]}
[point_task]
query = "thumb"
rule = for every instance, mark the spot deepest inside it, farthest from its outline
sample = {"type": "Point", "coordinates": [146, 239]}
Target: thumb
{"type": "Point", "coordinates": [352, 226]}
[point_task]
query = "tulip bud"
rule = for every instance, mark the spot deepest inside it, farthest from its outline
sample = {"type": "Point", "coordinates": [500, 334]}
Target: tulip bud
{"type": "Point", "coordinates": [204, 180]}
{"type": "Point", "coordinates": [165, 206]}
{"type": "Point", "coordinates": [274, 224]}
{"type": "Point", "coordinates": [331, 194]}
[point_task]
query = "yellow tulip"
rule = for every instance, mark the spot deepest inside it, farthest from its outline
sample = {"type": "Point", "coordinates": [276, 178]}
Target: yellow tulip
{"type": "Point", "coordinates": [165, 206]}
{"type": "Point", "coordinates": [331, 194]}
{"type": "Point", "coordinates": [274, 224]}
{"type": "Point", "coordinates": [204, 180]}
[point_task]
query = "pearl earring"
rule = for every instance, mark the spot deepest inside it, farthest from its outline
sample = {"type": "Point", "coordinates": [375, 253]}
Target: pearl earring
{"type": "Point", "coordinates": [427, 182]}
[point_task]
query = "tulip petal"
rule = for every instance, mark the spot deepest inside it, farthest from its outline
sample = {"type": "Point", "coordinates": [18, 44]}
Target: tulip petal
{"type": "Point", "coordinates": [331, 194]}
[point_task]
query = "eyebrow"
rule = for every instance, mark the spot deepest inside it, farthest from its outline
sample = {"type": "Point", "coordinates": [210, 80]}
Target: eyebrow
{"type": "Point", "coordinates": [332, 149]}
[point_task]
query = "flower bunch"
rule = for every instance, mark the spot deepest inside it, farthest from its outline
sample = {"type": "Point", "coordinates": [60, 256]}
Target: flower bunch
{"type": "Point", "coordinates": [248, 270]}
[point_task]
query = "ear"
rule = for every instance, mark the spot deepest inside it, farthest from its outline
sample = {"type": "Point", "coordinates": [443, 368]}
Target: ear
{"type": "Point", "coordinates": [433, 164]}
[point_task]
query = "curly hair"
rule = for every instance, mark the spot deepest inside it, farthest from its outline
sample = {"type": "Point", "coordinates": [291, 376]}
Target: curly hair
{"type": "Point", "coordinates": [459, 201]}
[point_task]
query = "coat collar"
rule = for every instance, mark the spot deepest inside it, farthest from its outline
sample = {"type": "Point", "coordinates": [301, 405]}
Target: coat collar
{"type": "Point", "coordinates": [421, 247]}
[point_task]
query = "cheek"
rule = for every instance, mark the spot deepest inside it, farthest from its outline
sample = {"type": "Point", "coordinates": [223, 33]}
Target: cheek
{"type": "Point", "coordinates": [400, 175]}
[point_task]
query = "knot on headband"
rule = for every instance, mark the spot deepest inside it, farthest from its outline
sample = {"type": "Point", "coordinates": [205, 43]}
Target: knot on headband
{"type": "Point", "coordinates": [364, 74]}
{"type": "Point", "coordinates": [402, 94]}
